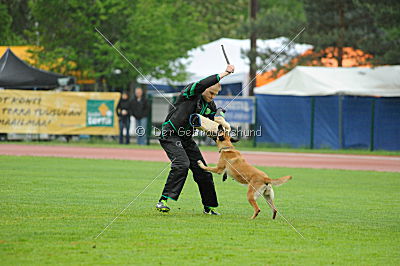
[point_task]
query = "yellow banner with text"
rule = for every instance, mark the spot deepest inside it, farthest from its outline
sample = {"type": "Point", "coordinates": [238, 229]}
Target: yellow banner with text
{"type": "Point", "coordinates": [65, 113]}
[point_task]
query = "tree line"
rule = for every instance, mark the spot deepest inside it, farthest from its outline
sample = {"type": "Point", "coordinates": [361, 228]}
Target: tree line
{"type": "Point", "coordinates": [152, 34]}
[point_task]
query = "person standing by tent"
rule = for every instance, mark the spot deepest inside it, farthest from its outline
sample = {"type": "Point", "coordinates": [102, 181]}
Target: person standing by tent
{"type": "Point", "coordinates": [140, 110]}
{"type": "Point", "coordinates": [176, 140]}
{"type": "Point", "coordinates": [124, 117]}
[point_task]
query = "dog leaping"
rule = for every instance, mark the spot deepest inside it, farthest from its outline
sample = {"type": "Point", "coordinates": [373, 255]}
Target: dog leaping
{"type": "Point", "coordinates": [233, 164]}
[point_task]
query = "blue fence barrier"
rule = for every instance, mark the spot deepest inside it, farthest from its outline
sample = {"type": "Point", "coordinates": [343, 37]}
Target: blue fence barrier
{"type": "Point", "coordinates": [329, 121]}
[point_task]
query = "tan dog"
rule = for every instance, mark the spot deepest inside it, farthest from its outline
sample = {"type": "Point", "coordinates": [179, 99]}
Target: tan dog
{"type": "Point", "coordinates": [232, 163]}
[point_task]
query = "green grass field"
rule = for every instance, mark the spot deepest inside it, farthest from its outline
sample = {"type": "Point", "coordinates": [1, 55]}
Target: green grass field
{"type": "Point", "coordinates": [52, 209]}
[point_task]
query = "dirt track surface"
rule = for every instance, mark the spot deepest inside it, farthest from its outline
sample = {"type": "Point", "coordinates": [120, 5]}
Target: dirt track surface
{"type": "Point", "coordinates": [301, 160]}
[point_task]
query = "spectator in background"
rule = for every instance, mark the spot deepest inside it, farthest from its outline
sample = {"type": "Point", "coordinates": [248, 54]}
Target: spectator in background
{"type": "Point", "coordinates": [124, 117]}
{"type": "Point", "coordinates": [140, 110]}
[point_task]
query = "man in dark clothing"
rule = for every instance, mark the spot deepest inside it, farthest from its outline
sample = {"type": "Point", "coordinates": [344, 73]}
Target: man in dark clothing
{"type": "Point", "coordinates": [176, 140]}
{"type": "Point", "coordinates": [124, 117]}
{"type": "Point", "coordinates": [140, 111]}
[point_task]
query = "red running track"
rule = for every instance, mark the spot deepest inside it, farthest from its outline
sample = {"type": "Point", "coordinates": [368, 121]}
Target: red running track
{"type": "Point", "coordinates": [301, 160]}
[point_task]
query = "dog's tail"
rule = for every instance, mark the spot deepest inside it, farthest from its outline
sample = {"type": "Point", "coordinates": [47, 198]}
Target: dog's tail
{"type": "Point", "coordinates": [279, 181]}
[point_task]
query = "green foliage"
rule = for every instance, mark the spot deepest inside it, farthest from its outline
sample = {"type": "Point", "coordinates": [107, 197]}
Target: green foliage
{"type": "Point", "coordinates": [222, 18]}
{"type": "Point", "coordinates": [276, 19]}
{"type": "Point", "coordinates": [53, 208]}
{"type": "Point", "coordinates": [150, 34]}
{"type": "Point", "coordinates": [5, 24]}
{"type": "Point", "coordinates": [386, 14]}
{"type": "Point", "coordinates": [338, 24]}
{"type": "Point", "coordinates": [14, 21]}
{"type": "Point", "coordinates": [279, 18]}
{"type": "Point", "coordinates": [67, 33]}
{"type": "Point", "coordinates": [373, 26]}
{"type": "Point", "coordinates": [160, 32]}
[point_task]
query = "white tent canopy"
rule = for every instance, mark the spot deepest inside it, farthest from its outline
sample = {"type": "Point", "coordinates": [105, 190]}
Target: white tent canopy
{"type": "Point", "coordinates": [319, 81]}
{"type": "Point", "coordinates": [208, 59]}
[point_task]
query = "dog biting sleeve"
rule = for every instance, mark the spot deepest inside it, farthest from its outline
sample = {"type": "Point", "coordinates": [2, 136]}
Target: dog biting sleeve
{"type": "Point", "coordinates": [203, 123]}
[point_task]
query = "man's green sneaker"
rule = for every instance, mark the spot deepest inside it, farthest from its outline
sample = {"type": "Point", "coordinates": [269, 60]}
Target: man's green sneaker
{"type": "Point", "coordinates": [210, 211]}
{"type": "Point", "coordinates": [162, 206]}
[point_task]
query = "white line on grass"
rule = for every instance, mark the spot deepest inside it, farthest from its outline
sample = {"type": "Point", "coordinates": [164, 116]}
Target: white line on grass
{"type": "Point", "coordinates": [133, 200]}
{"type": "Point", "coordinates": [266, 66]}
{"type": "Point", "coordinates": [267, 201]}
{"type": "Point", "coordinates": [112, 45]}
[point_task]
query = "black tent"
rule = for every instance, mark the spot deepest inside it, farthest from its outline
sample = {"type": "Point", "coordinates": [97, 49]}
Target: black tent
{"type": "Point", "coordinates": [16, 74]}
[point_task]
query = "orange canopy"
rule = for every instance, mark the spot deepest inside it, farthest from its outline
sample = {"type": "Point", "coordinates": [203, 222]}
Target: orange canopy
{"type": "Point", "coordinates": [351, 57]}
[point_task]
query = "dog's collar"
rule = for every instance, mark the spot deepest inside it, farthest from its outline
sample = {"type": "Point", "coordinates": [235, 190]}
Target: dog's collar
{"type": "Point", "coordinates": [224, 148]}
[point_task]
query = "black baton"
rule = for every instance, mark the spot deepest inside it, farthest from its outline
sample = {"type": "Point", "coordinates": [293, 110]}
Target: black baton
{"type": "Point", "coordinates": [226, 58]}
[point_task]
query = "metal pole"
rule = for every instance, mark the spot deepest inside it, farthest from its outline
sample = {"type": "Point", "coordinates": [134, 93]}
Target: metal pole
{"type": "Point", "coordinates": [38, 132]}
{"type": "Point", "coordinates": [253, 46]}
{"type": "Point", "coordinates": [255, 123]}
{"type": "Point", "coordinates": [149, 118]}
{"type": "Point", "coordinates": [312, 122]}
{"type": "Point", "coordinates": [371, 145]}
{"type": "Point", "coordinates": [340, 122]}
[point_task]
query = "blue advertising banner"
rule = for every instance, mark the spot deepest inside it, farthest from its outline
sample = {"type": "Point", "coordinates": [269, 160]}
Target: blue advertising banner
{"type": "Point", "coordinates": [240, 110]}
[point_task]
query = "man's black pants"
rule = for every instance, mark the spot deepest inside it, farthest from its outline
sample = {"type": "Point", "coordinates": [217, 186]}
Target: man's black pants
{"type": "Point", "coordinates": [184, 154]}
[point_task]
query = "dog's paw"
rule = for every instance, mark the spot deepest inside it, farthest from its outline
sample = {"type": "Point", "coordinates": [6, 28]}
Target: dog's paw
{"type": "Point", "coordinates": [200, 163]}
